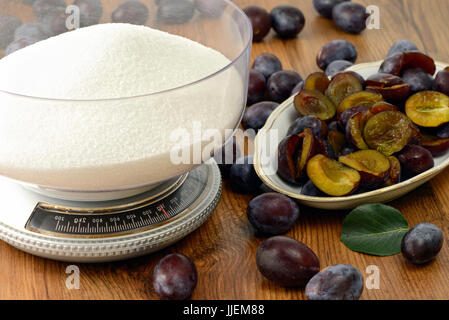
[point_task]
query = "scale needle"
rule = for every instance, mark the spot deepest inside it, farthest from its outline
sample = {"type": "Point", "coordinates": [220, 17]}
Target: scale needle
{"type": "Point", "coordinates": [163, 211]}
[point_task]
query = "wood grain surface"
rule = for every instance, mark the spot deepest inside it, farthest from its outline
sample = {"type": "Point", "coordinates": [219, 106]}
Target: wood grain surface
{"type": "Point", "coordinates": [224, 247]}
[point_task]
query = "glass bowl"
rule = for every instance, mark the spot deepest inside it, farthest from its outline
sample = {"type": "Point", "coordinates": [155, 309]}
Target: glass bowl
{"type": "Point", "coordinates": [218, 24]}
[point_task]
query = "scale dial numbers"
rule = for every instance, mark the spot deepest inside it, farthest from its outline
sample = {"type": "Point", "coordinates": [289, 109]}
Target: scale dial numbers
{"type": "Point", "coordinates": [107, 222]}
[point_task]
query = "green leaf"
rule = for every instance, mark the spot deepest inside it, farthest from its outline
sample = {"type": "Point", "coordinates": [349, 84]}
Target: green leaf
{"type": "Point", "coordinates": [375, 229]}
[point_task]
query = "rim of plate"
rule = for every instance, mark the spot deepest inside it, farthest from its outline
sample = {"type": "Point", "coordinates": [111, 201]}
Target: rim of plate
{"type": "Point", "coordinates": [285, 105]}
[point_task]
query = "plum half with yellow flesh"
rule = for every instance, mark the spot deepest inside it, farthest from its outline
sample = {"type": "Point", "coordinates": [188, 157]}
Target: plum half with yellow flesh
{"type": "Point", "coordinates": [317, 81]}
{"type": "Point", "coordinates": [342, 85]}
{"type": "Point", "coordinates": [392, 88]}
{"type": "Point", "coordinates": [362, 98]}
{"type": "Point", "coordinates": [354, 131]}
{"type": "Point", "coordinates": [337, 140]}
{"type": "Point", "coordinates": [436, 146]}
{"type": "Point", "coordinates": [294, 152]}
{"type": "Point", "coordinates": [332, 177]}
{"type": "Point", "coordinates": [372, 166]}
{"type": "Point", "coordinates": [313, 102]}
{"type": "Point", "coordinates": [387, 132]}
{"type": "Point", "coordinates": [395, 172]}
{"type": "Point", "coordinates": [428, 108]}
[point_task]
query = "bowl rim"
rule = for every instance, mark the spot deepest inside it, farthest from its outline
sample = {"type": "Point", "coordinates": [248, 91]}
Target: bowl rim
{"type": "Point", "coordinates": [246, 48]}
{"type": "Point", "coordinates": [284, 106]}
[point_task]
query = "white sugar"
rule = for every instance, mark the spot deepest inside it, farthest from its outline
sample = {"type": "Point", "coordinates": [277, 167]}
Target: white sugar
{"type": "Point", "coordinates": [107, 61]}
{"type": "Point", "coordinates": [108, 143]}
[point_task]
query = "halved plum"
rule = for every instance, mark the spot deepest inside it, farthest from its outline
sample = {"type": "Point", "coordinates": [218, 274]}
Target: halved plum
{"type": "Point", "coordinates": [337, 140]}
{"type": "Point", "coordinates": [354, 129]}
{"type": "Point", "coordinates": [383, 80]}
{"type": "Point", "coordinates": [332, 177]}
{"type": "Point", "coordinates": [436, 146]}
{"type": "Point", "coordinates": [372, 166]}
{"type": "Point", "coordinates": [378, 108]}
{"type": "Point", "coordinates": [341, 86]}
{"type": "Point", "coordinates": [395, 172]}
{"type": "Point", "coordinates": [394, 94]}
{"type": "Point", "coordinates": [313, 102]}
{"type": "Point", "coordinates": [391, 87]}
{"type": "Point", "coordinates": [362, 98]}
{"type": "Point", "coordinates": [344, 117]}
{"type": "Point", "coordinates": [387, 132]}
{"type": "Point", "coordinates": [293, 153]}
{"type": "Point", "coordinates": [317, 81]}
{"type": "Point", "coordinates": [287, 154]}
{"type": "Point", "coordinates": [428, 108]}
{"type": "Point", "coordinates": [416, 59]}
{"type": "Point", "coordinates": [310, 146]}
{"type": "Point", "coordinates": [395, 64]}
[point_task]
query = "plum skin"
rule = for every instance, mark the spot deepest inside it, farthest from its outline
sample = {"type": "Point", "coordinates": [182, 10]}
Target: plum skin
{"type": "Point", "coordinates": [337, 66]}
{"type": "Point", "coordinates": [338, 282]}
{"type": "Point", "coordinates": [90, 11]}
{"type": "Point", "coordinates": [336, 50]}
{"type": "Point", "coordinates": [324, 7]}
{"type": "Point", "coordinates": [8, 25]}
{"type": "Point", "coordinates": [256, 115]}
{"type": "Point", "coordinates": [175, 12]}
{"type": "Point", "coordinates": [175, 277]}
{"type": "Point", "coordinates": [33, 30]}
{"type": "Point", "coordinates": [131, 11]}
{"type": "Point", "coordinates": [272, 213]}
{"type": "Point", "coordinates": [442, 82]}
{"type": "Point", "coordinates": [42, 8]}
{"type": "Point", "coordinates": [281, 84]}
{"type": "Point", "coordinates": [243, 176]}
{"type": "Point", "coordinates": [422, 243]}
{"type": "Point", "coordinates": [309, 189]}
{"type": "Point", "coordinates": [317, 126]}
{"type": "Point", "coordinates": [286, 261]}
{"type": "Point", "coordinates": [287, 21]}
{"type": "Point", "coordinates": [210, 8]}
{"type": "Point", "coordinates": [417, 79]}
{"type": "Point", "coordinates": [19, 44]}
{"type": "Point", "coordinates": [256, 87]}
{"type": "Point", "coordinates": [260, 21]}
{"type": "Point", "coordinates": [415, 159]}
{"type": "Point", "coordinates": [350, 17]}
{"type": "Point", "coordinates": [226, 156]}
{"type": "Point", "coordinates": [401, 46]}
{"type": "Point", "coordinates": [267, 64]}
{"type": "Point", "coordinates": [298, 88]}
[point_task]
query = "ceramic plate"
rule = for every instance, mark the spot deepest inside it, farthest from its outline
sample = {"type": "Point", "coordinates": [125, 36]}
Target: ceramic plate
{"type": "Point", "coordinates": [275, 130]}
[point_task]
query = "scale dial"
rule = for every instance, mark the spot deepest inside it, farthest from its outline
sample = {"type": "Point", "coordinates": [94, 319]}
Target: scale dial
{"type": "Point", "coordinates": [119, 229]}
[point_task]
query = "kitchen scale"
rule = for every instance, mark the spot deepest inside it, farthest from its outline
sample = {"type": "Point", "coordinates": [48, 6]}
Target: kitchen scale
{"type": "Point", "coordinates": [42, 223]}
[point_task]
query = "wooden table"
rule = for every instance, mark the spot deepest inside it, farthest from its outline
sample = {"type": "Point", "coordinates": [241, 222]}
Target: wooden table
{"type": "Point", "coordinates": [224, 247]}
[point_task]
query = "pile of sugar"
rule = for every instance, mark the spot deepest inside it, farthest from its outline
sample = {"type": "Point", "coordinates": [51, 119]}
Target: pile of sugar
{"type": "Point", "coordinates": [104, 144]}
